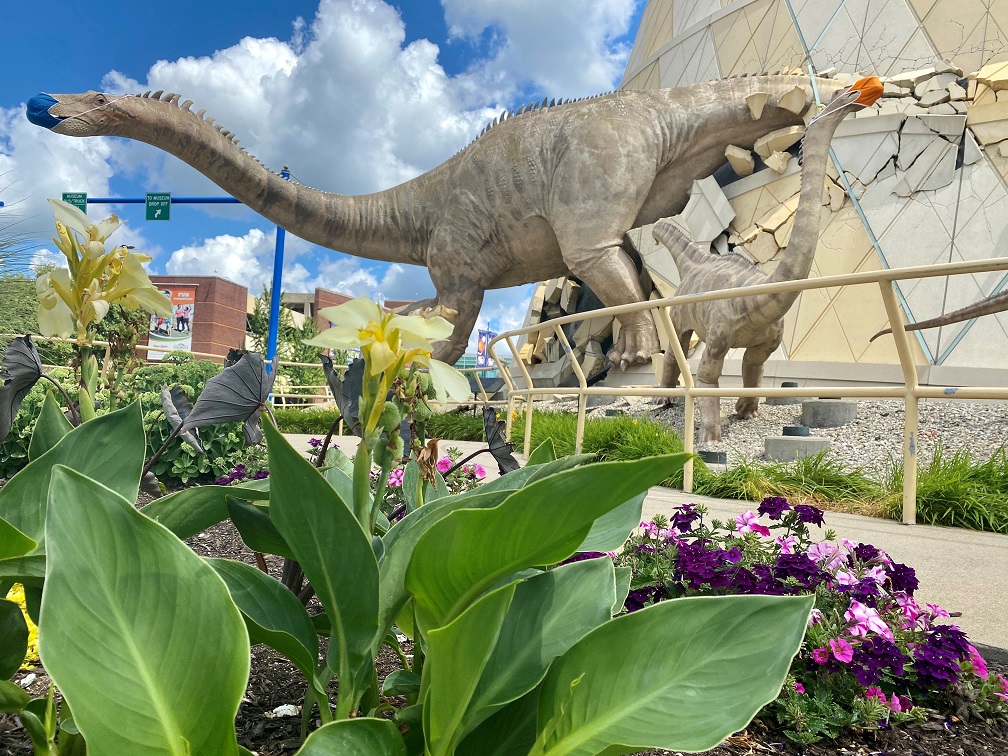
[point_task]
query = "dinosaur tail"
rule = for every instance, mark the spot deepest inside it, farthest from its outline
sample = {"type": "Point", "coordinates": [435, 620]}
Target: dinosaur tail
{"type": "Point", "coordinates": [992, 304]}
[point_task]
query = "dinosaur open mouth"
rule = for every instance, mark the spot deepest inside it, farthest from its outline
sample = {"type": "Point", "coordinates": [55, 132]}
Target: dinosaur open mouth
{"type": "Point", "coordinates": [38, 113]}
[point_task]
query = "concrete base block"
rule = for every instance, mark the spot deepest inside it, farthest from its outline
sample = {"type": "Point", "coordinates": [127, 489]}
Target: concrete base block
{"type": "Point", "coordinates": [790, 448]}
{"type": "Point", "coordinates": [828, 413]}
{"type": "Point", "coordinates": [780, 400]}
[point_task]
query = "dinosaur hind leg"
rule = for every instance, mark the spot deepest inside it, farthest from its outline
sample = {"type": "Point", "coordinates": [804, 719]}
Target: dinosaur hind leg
{"type": "Point", "coordinates": [753, 360]}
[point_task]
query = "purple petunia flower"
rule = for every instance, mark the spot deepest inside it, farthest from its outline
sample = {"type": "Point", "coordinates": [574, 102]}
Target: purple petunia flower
{"type": "Point", "coordinates": [809, 514]}
{"type": "Point", "coordinates": [684, 516]}
{"type": "Point", "coordinates": [773, 507]}
{"type": "Point", "coordinates": [395, 477]}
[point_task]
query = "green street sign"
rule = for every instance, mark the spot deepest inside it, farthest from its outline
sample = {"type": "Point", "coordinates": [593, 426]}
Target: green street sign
{"type": "Point", "coordinates": [158, 206]}
{"type": "Point", "coordinates": [77, 199]}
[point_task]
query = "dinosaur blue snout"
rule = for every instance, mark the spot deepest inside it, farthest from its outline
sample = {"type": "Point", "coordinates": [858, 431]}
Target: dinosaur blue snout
{"type": "Point", "coordinates": [38, 111]}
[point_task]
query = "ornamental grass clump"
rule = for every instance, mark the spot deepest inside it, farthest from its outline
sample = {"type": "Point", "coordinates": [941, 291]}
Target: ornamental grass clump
{"type": "Point", "coordinates": [872, 656]}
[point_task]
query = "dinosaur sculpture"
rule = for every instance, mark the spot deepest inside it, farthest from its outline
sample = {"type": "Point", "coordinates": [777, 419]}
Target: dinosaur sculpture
{"type": "Point", "coordinates": [992, 304]}
{"type": "Point", "coordinates": [547, 191]}
{"type": "Point", "coordinates": [755, 323]}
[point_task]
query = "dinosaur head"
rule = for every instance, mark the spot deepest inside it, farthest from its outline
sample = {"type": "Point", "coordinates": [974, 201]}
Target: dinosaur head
{"type": "Point", "coordinates": [861, 94]}
{"type": "Point", "coordinates": [88, 114]}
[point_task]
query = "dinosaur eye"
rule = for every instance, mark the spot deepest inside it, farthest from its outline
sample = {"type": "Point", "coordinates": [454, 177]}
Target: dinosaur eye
{"type": "Point", "coordinates": [101, 99]}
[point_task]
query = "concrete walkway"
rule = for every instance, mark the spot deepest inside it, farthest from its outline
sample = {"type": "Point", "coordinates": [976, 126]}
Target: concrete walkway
{"type": "Point", "coordinates": [960, 570]}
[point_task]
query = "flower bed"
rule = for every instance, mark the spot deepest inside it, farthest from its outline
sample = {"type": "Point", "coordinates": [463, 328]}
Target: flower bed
{"type": "Point", "coordinates": [872, 656]}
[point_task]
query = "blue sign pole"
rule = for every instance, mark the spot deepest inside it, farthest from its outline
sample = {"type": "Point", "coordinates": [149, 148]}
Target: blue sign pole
{"type": "Point", "coordinates": [274, 323]}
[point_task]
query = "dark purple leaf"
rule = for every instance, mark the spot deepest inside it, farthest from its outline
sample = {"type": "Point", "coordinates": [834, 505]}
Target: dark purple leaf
{"type": "Point", "coordinates": [501, 449]}
{"type": "Point", "coordinates": [235, 395]}
{"type": "Point", "coordinates": [20, 370]}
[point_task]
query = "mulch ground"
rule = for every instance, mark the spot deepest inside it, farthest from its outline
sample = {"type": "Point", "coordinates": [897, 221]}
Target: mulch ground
{"type": "Point", "coordinates": [274, 682]}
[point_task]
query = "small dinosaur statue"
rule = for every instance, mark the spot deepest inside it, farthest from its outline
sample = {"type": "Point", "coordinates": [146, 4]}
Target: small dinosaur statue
{"type": "Point", "coordinates": [549, 190]}
{"type": "Point", "coordinates": [992, 304]}
{"type": "Point", "coordinates": [756, 322]}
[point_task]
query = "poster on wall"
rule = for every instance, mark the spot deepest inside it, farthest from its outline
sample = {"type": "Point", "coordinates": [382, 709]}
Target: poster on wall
{"type": "Point", "coordinates": [173, 333]}
{"type": "Point", "coordinates": [482, 355]}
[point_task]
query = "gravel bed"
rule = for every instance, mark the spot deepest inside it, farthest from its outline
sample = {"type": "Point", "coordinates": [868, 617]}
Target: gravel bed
{"type": "Point", "coordinates": [875, 437]}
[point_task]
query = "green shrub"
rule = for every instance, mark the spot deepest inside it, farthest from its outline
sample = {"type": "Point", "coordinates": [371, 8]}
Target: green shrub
{"type": "Point", "coordinates": [194, 374]}
{"type": "Point", "coordinates": [455, 426]}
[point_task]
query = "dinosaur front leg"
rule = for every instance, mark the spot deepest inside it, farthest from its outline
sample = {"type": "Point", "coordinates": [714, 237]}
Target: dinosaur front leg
{"type": "Point", "coordinates": [612, 275]}
{"type": "Point", "coordinates": [753, 360]}
{"type": "Point", "coordinates": [466, 303]}
{"type": "Point", "coordinates": [708, 376]}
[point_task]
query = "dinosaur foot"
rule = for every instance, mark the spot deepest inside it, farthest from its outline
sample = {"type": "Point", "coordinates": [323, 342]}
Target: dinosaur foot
{"type": "Point", "coordinates": [635, 345]}
{"type": "Point", "coordinates": [709, 435]}
{"type": "Point", "coordinates": [747, 407]}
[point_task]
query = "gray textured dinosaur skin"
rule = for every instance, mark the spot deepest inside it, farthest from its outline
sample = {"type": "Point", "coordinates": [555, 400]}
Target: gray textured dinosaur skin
{"type": "Point", "coordinates": [989, 306]}
{"type": "Point", "coordinates": [755, 323]}
{"type": "Point", "coordinates": [542, 194]}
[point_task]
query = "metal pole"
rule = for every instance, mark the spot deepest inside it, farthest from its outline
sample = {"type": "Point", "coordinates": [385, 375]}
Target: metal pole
{"type": "Point", "coordinates": [274, 322]}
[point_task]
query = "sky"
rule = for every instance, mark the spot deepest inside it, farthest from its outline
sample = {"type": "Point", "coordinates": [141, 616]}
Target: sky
{"type": "Point", "coordinates": [354, 95]}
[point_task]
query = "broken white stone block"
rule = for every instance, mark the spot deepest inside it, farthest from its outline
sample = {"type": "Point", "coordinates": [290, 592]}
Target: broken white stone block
{"type": "Point", "coordinates": [593, 329]}
{"type": "Point", "coordinates": [949, 126]}
{"type": "Point", "coordinates": [888, 172]}
{"type": "Point", "coordinates": [989, 123]}
{"type": "Point", "coordinates": [971, 152]}
{"type": "Point", "coordinates": [915, 136]}
{"type": "Point", "coordinates": [892, 89]}
{"type": "Point", "coordinates": [934, 97]}
{"type": "Point", "coordinates": [1002, 149]}
{"type": "Point", "coordinates": [778, 161]}
{"type": "Point", "coordinates": [836, 196]}
{"type": "Point", "coordinates": [794, 100]}
{"type": "Point", "coordinates": [933, 169]}
{"type": "Point", "coordinates": [956, 92]}
{"type": "Point", "coordinates": [994, 75]}
{"type": "Point", "coordinates": [554, 287]}
{"type": "Point", "coordinates": [911, 79]}
{"type": "Point", "coordinates": [938, 81]}
{"type": "Point", "coordinates": [720, 244]}
{"type": "Point", "coordinates": [959, 107]}
{"type": "Point", "coordinates": [947, 67]}
{"type": "Point", "coordinates": [658, 262]}
{"type": "Point", "coordinates": [741, 160]}
{"type": "Point", "coordinates": [756, 101]}
{"type": "Point", "coordinates": [763, 247]}
{"type": "Point", "coordinates": [783, 234]}
{"type": "Point", "coordinates": [707, 213]}
{"type": "Point", "coordinates": [593, 360]}
{"type": "Point", "coordinates": [778, 141]}
{"type": "Point", "coordinates": [944, 108]}
{"type": "Point", "coordinates": [776, 217]}
{"type": "Point", "coordinates": [569, 296]}
{"type": "Point", "coordinates": [551, 374]}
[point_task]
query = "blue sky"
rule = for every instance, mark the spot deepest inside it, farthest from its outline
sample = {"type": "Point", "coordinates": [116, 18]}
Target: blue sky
{"type": "Point", "coordinates": [353, 95]}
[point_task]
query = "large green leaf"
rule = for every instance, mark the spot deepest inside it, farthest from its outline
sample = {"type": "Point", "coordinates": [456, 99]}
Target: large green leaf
{"type": "Point", "coordinates": [681, 675]}
{"type": "Point", "coordinates": [12, 697]}
{"type": "Point", "coordinates": [335, 554]}
{"type": "Point", "coordinates": [542, 454]}
{"type": "Point", "coordinates": [13, 543]}
{"type": "Point", "coordinates": [543, 523]}
{"type": "Point", "coordinates": [50, 426]}
{"type": "Point", "coordinates": [195, 509]}
{"type": "Point", "coordinates": [547, 615]}
{"type": "Point", "coordinates": [363, 736]}
{"type": "Point", "coordinates": [139, 633]}
{"type": "Point", "coordinates": [509, 732]}
{"type": "Point", "coordinates": [28, 570]}
{"type": "Point", "coordinates": [13, 638]}
{"type": "Point", "coordinates": [273, 615]}
{"type": "Point", "coordinates": [108, 449]}
{"type": "Point", "coordinates": [610, 531]}
{"type": "Point", "coordinates": [457, 654]}
{"type": "Point", "coordinates": [256, 528]}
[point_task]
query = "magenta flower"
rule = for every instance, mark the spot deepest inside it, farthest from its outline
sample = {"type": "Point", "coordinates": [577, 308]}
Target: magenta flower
{"type": "Point", "coordinates": [815, 617]}
{"type": "Point", "coordinates": [935, 611]}
{"type": "Point", "coordinates": [842, 650]}
{"type": "Point", "coordinates": [820, 656]}
{"type": "Point", "coordinates": [979, 665]}
{"type": "Point", "coordinates": [866, 620]}
{"type": "Point", "coordinates": [1003, 695]}
{"type": "Point", "coordinates": [748, 522]}
{"type": "Point", "coordinates": [799, 688]}
{"type": "Point", "coordinates": [444, 464]}
{"type": "Point", "coordinates": [395, 478]}
{"type": "Point", "coordinates": [479, 471]}
{"type": "Point", "coordinates": [876, 693]}
{"type": "Point", "coordinates": [787, 545]}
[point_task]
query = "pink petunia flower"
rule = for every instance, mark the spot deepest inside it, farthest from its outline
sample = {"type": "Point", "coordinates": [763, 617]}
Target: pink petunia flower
{"type": "Point", "coordinates": [826, 554]}
{"type": "Point", "coordinates": [787, 545]}
{"type": "Point", "coordinates": [748, 522]}
{"type": "Point", "coordinates": [815, 618]}
{"type": "Point", "coordinates": [935, 612]}
{"type": "Point", "coordinates": [979, 665]}
{"type": "Point", "coordinates": [444, 464]}
{"type": "Point", "coordinates": [820, 656]}
{"type": "Point", "coordinates": [842, 650]}
{"type": "Point", "coordinates": [799, 688]}
{"type": "Point", "coordinates": [877, 694]}
{"type": "Point", "coordinates": [395, 478]}
{"type": "Point", "coordinates": [479, 471]}
{"type": "Point", "coordinates": [1003, 695]}
{"type": "Point", "coordinates": [866, 620]}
